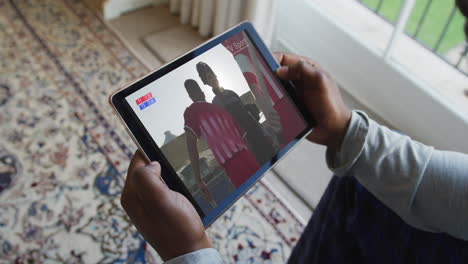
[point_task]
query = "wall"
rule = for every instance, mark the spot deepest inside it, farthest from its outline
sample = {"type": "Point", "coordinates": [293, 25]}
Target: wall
{"type": "Point", "coordinates": [115, 8]}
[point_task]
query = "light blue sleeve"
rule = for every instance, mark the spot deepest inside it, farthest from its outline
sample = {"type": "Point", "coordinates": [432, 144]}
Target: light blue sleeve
{"type": "Point", "coordinates": [427, 188]}
{"type": "Point", "coordinates": [205, 256]}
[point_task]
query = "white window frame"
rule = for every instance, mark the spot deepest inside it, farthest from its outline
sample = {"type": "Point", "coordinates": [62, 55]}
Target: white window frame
{"type": "Point", "coordinates": [372, 77]}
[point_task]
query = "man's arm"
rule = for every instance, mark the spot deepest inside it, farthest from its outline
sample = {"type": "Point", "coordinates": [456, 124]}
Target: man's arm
{"type": "Point", "coordinates": [427, 188]}
{"type": "Point", "coordinates": [192, 150]}
{"type": "Point", "coordinates": [168, 221]}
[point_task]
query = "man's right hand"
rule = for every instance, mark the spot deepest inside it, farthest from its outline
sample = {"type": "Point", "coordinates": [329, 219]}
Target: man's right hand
{"type": "Point", "coordinates": [320, 94]}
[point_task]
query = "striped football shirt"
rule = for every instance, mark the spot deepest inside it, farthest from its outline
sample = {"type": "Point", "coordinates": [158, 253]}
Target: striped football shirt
{"type": "Point", "coordinates": [222, 133]}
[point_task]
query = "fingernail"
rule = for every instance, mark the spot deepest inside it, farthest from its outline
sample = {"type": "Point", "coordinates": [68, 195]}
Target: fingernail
{"type": "Point", "coordinates": [282, 71]}
{"type": "Point", "coordinates": [155, 164]}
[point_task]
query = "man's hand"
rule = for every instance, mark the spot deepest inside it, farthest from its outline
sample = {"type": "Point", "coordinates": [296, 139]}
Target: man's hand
{"type": "Point", "coordinates": [166, 219]}
{"type": "Point", "coordinates": [320, 94]}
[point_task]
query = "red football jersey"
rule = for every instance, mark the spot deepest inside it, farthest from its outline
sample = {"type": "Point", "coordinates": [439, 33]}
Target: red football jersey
{"type": "Point", "coordinates": [224, 136]}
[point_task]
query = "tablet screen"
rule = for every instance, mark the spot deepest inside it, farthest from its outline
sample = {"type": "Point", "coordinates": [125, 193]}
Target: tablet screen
{"type": "Point", "coordinates": [219, 119]}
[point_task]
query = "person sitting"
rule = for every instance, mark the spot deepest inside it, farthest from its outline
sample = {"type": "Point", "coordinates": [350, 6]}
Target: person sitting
{"type": "Point", "coordinates": [394, 200]}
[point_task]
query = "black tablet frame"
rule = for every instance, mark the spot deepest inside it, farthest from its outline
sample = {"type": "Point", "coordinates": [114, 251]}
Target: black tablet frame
{"type": "Point", "coordinates": [142, 137]}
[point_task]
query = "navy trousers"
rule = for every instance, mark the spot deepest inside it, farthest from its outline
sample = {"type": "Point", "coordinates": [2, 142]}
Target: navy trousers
{"type": "Point", "coordinates": [350, 225]}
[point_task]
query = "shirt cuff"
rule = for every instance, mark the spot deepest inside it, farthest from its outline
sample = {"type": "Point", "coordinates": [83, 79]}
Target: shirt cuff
{"type": "Point", "coordinates": [341, 162]}
{"type": "Point", "coordinates": [205, 256]}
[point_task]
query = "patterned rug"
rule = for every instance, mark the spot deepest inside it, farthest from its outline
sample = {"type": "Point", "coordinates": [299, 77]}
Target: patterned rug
{"type": "Point", "coordinates": [64, 154]}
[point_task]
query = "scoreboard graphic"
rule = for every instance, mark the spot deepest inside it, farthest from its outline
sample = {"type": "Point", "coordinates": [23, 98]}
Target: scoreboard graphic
{"type": "Point", "coordinates": [145, 101]}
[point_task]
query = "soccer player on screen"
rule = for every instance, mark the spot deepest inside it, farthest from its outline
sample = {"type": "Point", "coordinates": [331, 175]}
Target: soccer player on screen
{"type": "Point", "coordinates": [224, 137]}
{"type": "Point", "coordinates": [261, 146]}
{"type": "Point", "coordinates": [284, 119]}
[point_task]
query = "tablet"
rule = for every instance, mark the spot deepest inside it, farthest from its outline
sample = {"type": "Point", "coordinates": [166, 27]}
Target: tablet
{"type": "Point", "coordinates": [216, 118]}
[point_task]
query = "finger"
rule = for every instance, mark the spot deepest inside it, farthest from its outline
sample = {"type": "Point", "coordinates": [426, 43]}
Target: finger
{"type": "Point", "coordinates": [129, 202]}
{"type": "Point", "coordinates": [298, 71]}
{"type": "Point", "coordinates": [148, 186]}
{"type": "Point", "coordinates": [129, 199]}
{"type": "Point", "coordinates": [135, 211]}
{"type": "Point", "coordinates": [277, 56]}
{"type": "Point", "coordinates": [285, 59]}
{"type": "Point", "coordinates": [138, 160]}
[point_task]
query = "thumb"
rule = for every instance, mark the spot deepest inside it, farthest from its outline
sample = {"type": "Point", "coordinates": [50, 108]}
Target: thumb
{"type": "Point", "coordinates": [147, 183]}
{"type": "Point", "coordinates": [299, 71]}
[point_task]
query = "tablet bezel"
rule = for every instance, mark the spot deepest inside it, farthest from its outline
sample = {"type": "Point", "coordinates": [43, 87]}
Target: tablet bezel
{"type": "Point", "coordinates": [145, 142]}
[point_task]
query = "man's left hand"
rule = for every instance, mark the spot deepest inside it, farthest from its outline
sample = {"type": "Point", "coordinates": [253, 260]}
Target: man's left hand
{"type": "Point", "coordinates": [166, 219]}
